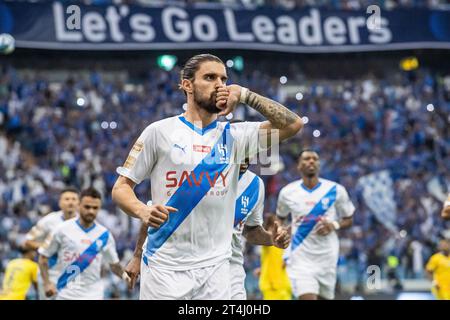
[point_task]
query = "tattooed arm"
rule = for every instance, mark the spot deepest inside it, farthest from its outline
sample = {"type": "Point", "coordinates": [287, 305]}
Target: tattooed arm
{"type": "Point", "coordinates": [280, 118]}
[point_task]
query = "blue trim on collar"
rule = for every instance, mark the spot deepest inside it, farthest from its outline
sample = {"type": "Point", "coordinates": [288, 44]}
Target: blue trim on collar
{"type": "Point", "coordinates": [198, 130]}
{"type": "Point", "coordinates": [311, 190]}
{"type": "Point", "coordinates": [83, 228]}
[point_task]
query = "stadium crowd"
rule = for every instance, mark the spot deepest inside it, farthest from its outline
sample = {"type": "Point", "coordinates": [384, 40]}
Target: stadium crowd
{"type": "Point", "coordinates": [76, 132]}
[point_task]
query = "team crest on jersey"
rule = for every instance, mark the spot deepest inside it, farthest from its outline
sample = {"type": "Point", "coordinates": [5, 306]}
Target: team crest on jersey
{"type": "Point", "coordinates": [223, 153]}
{"type": "Point", "coordinates": [245, 201]}
{"type": "Point", "coordinates": [98, 244]}
{"type": "Point", "coordinates": [325, 203]}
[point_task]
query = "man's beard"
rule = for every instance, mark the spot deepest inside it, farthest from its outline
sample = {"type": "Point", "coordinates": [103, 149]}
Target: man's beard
{"type": "Point", "coordinates": [209, 105]}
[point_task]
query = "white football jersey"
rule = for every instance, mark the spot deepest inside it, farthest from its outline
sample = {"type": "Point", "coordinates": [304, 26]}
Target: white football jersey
{"type": "Point", "coordinates": [43, 228]}
{"type": "Point", "coordinates": [327, 200]}
{"type": "Point", "coordinates": [249, 211]}
{"type": "Point", "coordinates": [81, 253]}
{"type": "Point", "coordinates": [196, 171]}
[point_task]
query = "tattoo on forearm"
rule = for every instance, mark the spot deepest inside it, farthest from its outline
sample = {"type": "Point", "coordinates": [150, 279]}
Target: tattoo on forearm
{"type": "Point", "coordinates": [276, 113]}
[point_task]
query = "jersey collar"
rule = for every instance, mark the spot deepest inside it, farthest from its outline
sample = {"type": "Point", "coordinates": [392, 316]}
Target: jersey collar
{"type": "Point", "coordinates": [196, 129]}
{"type": "Point", "coordinates": [83, 228]}
{"type": "Point", "coordinates": [313, 189]}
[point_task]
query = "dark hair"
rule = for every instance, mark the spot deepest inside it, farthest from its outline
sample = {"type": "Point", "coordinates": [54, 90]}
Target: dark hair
{"type": "Point", "coordinates": [69, 189]}
{"type": "Point", "coordinates": [193, 64]}
{"type": "Point", "coordinates": [24, 250]}
{"type": "Point", "coordinates": [91, 192]}
{"type": "Point", "coordinates": [306, 150]}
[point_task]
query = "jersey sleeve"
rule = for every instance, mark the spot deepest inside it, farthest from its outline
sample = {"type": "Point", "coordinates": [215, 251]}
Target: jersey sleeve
{"type": "Point", "coordinates": [142, 157]}
{"type": "Point", "coordinates": [51, 244]}
{"type": "Point", "coordinates": [344, 205]}
{"type": "Point", "coordinates": [256, 216]}
{"type": "Point", "coordinates": [246, 139]}
{"type": "Point", "coordinates": [110, 255]}
{"type": "Point", "coordinates": [37, 232]}
{"type": "Point", "coordinates": [282, 205]}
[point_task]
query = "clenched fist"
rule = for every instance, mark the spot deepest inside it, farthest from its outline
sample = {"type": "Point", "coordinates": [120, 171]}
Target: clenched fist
{"type": "Point", "coordinates": [155, 215]}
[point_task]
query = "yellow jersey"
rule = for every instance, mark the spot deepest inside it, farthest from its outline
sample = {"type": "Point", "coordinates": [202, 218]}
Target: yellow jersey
{"type": "Point", "coordinates": [19, 275]}
{"type": "Point", "coordinates": [273, 272]}
{"type": "Point", "coordinates": [439, 265]}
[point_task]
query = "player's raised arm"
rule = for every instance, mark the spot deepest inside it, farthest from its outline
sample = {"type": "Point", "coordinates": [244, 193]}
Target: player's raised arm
{"type": "Point", "coordinates": [279, 117]}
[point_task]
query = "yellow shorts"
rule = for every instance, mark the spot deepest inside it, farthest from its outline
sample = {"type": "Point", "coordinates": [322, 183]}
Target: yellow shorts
{"type": "Point", "coordinates": [12, 296]}
{"type": "Point", "coordinates": [283, 294]}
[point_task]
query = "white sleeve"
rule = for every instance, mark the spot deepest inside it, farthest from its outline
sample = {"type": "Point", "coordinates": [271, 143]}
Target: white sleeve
{"type": "Point", "coordinates": [51, 244]}
{"type": "Point", "coordinates": [142, 157]}
{"type": "Point", "coordinates": [283, 209]}
{"type": "Point", "coordinates": [344, 205]}
{"type": "Point", "coordinates": [256, 216]}
{"type": "Point", "coordinates": [38, 232]}
{"type": "Point", "coordinates": [110, 255]}
{"type": "Point", "coordinates": [246, 139]}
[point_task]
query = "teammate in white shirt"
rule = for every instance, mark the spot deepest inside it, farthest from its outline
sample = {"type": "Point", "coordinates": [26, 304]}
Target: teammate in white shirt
{"type": "Point", "coordinates": [68, 203]}
{"type": "Point", "coordinates": [82, 246]}
{"type": "Point", "coordinates": [248, 220]}
{"type": "Point", "coordinates": [318, 208]}
{"type": "Point", "coordinates": [193, 162]}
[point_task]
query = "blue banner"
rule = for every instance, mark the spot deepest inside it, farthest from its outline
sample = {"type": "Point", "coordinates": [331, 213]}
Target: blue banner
{"type": "Point", "coordinates": [78, 27]}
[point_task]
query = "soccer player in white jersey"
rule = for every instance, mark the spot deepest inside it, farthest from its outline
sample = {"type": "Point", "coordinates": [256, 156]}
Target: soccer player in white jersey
{"type": "Point", "coordinates": [193, 162]}
{"type": "Point", "coordinates": [318, 208]}
{"type": "Point", "coordinates": [68, 203]}
{"type": "Point", "coordinates": [248, 220]}
{"type": "Point", "coordinates": [82, 245]}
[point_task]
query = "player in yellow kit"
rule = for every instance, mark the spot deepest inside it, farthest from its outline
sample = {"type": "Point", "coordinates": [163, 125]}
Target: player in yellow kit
{"type": "Point", "coordinates": [20, 274]}
{"type": "Point", "coordinates": [273, 282]}
{"type": "Point", "coordinates": [439, 268]}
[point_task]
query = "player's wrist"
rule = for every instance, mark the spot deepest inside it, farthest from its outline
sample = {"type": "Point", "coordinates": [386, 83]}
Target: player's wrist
{"type": "Point", "coordinates": [125, 276]}
{"type": "Point", "coordinates": [244, 95]}
{"type": "Point", "coordinates": [336, 225]}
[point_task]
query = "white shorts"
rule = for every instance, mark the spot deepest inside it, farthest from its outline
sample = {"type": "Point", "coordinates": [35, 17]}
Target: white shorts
{"type": "Point", "coordinates": [209, 283]}
{"type": "Point", "coordinates": [316, 280]}
{"type": "Point", "coordinates": [237, 274]}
